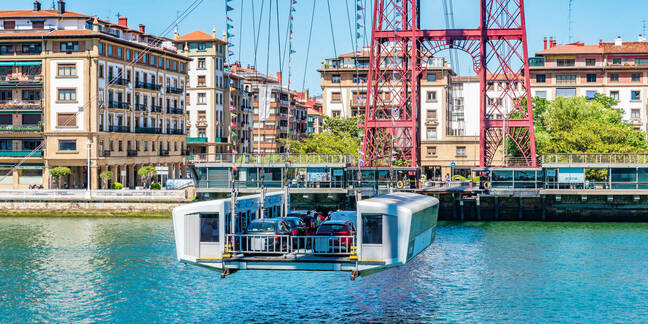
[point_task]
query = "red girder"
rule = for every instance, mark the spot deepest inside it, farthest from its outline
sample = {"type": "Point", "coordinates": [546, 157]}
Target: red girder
{"type": "Point", "coordinates": [500, 57]}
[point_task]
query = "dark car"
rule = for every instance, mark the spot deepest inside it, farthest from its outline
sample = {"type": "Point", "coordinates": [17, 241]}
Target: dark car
{"type": "Point", "coordinates": [297, 226]}
{"type": "Point", "coordinates": [341, 236]}
{"type": "Point", "coordinates": [307, 216]}
{"type": "Point", "coordinates": [267, 235]}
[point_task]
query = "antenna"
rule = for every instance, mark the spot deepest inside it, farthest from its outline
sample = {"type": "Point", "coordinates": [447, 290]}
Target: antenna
{"type": "Point", "coordinates": [571, 21]}
{"type": "Point", "coordinates": [644, 27]}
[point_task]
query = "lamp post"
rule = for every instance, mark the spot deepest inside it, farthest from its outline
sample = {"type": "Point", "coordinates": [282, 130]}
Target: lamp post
{"type": "Point", "coordinates": [88, 187]}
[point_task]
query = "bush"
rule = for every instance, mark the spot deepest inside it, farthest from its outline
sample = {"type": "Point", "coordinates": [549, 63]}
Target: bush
{"type": "Point", "coordinates": [116, 186]}
{"type": "Point", "coordinates": [156, 186]}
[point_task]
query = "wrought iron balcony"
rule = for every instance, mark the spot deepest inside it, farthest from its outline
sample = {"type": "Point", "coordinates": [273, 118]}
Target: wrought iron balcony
{"type": "Point", "coordinates": [147, 86]}
{"type": "Point", "coordinates": [174, 90]}
{"type": "Point", "coordinates": [131, 153]}
{"type": "Point", "coordinates": [119, 105]}
{"type": "Point", "coordinates": [140, 107]}
{"type": "Point", "coordinates": [119, 129]}
{"type": "Point", "coordinates": [148, 130]}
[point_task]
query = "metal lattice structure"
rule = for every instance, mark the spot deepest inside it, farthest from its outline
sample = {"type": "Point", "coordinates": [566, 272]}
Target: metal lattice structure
{"type": "Point", "coordinates": [399, 54]}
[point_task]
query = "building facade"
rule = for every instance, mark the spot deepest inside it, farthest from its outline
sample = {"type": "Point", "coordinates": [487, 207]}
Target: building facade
{"type": "Point", "coordinates": [109, 98]}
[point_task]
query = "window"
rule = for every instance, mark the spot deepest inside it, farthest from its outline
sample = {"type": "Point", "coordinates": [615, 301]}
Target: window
{"type": "Point", "coordinates": [360, 78]}
{"type": "Point", "coordinates": [38, 24]}
{"type": "Point", "coordinates": [119, 52]}
{"type": "Point", "coordinates": [101, 48]}
{"type": "Point", "coordinates": [566, 92]}
{"type": "Point", "coordinates": [566, 62]}
{"type": "Point", "coordinates": [635, 114]}
{"type": "Point", "coordinates": [431, 77]}
{"type": "Point", "coordinates": [67, 70]}
{"type": "Point", "coordinates": [590, 94]}
{"type": "Point", "coordinates": [372, 229]}
{"type": "Point", "coordinates": [209, 231]}
{"type": "Point", "coordinates": [591, 78]}
{"type": "Point", "coordinates": [202, 46]}
{"type": "Point", "coordinates": [636, 77]}
{"type": "Point", "coordinates": [431, 133]}
{"type": "Point", "coordinates": [590, 62]}
{"type": "Point", "coordinates": [641, 61]}
{"type": "Point", "coordinates": [431, 151]}
{"type": "Point", "coordinates": [31, 119]}
{"type": "Point", "coordinates": [100, 71]}
{"type": "Point", "coordinates": [616, 61]}
{"type": "Point", "coordinates": [337, 113]}
{"type": "Point", "coordinates": [110, 50]}
{"type": "Point", "coordinates": [68, 95]}
{"type": "Point", "coordinates": [566, 78]}
{"type": "Point", "coordinates": [335, 78]}
{"type": "Point", "coordinates": [66, 120]}
{"type": "Point", "coordinates": [9, 24]}
{"type": "Point", "coordinates": [119, 146]}
{"type": "Point", "coordinates": [541, 94]}
{"type": "Point", "coordinates": [128, 54]}
{"type": "Point", "coordinates": [336, 97]}
{"type": "Point", "coordinates": [431, 96]}
{"type": "Point", "coordinates": [201, 81]}
{"type": "Point", "coordinates": [614, 95]}
{"type": "Point", "coordinates": [614, 77]}
{"type": "Point", "coordinates": [67, 145]}
{"type": "Point", "coordinates": [431, 114]}
{"type": "Point", "coordinates": [541, 78]}
{"type": "Point", "coordinates": [69, 46]}
{"type": "Point", "coordinates": [202, 98]}
{"type": "Point", "coordinates": [635, 95]}
{"type": "Point", "coordinates": [461, 151]}
{"type": "Point", "coordinates": [202, 64]}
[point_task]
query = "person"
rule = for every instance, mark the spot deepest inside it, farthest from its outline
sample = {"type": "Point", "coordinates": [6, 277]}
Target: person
{"type": "Point", "coordinates": [447, 177]}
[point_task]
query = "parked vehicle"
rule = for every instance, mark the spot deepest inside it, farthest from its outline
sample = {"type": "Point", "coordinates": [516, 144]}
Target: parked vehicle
{"type": "Point", "coordinates": [298, 227]}
{"type": "Point", "coordinates": [341, 233]}
{"type": "Point", "coordinates": [307, 216]}
{"type": "Point", "coordinates": [267, 235]}
{"type": "Point", "coordinates": [344, 215]}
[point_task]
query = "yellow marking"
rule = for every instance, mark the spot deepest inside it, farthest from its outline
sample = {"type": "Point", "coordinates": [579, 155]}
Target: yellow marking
{"type": "Point", "coordinates": [226, 255]}
{"type": "Point", "coordinates": [353, 257]}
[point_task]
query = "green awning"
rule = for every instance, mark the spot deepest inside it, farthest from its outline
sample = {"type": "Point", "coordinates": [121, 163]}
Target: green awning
{"type": "Point", "coordinates": [28, 63]}
{"type": "Point", "coordinates": [6, 63]}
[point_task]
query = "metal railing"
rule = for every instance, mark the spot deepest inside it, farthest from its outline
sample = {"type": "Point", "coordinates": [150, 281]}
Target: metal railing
{"type": "Point", "coordinates": [94, 194]}
{"type": "Point", "coordinates": [148, 130]}
{"type": "Point", "coordinates": [288, 244]}
{"type": "Point", "coordinates": [595, 158]}
{"type": "Point", "coordinates": [178, 111]}
{"type": "Point", "coordinates": [118, 105]}
{"type": "Point", "coordinates": [174, 90]}
{"type": "Point", "coordinates": [131, 153]}
{"type": "Point", "coordinates": [119, 129]}
{"type": "Point", "coordinates": [148, 86]}
{"type": "Point", "coordinates": [156, 108]}
{"type": "Point", "coordinates": [286, 158]}
{"type": "Point", "coordinates": [20, 128]}
{"type": "Point", "coordinates": [140, 107]}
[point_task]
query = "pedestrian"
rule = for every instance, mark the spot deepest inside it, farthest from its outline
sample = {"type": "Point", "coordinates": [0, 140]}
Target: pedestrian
{"type": "Point", "coordinates": [447, 177]}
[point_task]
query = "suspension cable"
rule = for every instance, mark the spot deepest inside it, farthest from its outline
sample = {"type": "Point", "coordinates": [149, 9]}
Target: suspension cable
{"type": "Point", "coordinates": [310, 34]}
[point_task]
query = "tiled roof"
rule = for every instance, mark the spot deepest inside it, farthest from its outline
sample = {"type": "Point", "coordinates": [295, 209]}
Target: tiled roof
{"type": "Point", "coordinates": [626, 47]}
{"type": "Point", "coordinates": [195, 35]}
{"type": "Point", "coordinates": [574, 48]}
{"type": "Point", "coordinates": [38, 14]}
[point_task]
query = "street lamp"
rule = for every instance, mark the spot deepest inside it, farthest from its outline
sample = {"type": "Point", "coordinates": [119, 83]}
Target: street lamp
{"type": "Point", "coordinates": [88, 170]}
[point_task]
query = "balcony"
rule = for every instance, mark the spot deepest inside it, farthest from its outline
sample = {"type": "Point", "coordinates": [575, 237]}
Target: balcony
{"type": "Point", "coordinates": [175, 132]}
{"type": "Point", "coordinates": [164, 152]}
{"type": "Point", "coordinates": [131, 153]}
{"type": "Point", "coordinates": [177, 111]}
{"type": "Point", "coordinates": [118, 129]}
{"type": "Point", "coordinates": [22, 49]}
{"type": "Point", "coordinates": [21, 153]}
{"type": "Point", "coordinates": [29, 81]}
{"type": "Point", "coordinates": [536, 61]}
{"type": "Point", "coordinates": [221, 139]}
{"type": "Point", "coordinates": [195, 140]}
{"type": "Point", "coordinates": [156, 109]}
{"type": "Point", "coordinates": [20, 105]}
{"type": "Point", "coordinates": [118, 105]}
{"type": "Point", "coordinates": [105, 153]}
{"type": "Point", "coordinates": [20, 128]}
{"type": "Point", "coordinates": [140, 107]}
{"type": "Point", "coordinates": [174, 90]}
{"type": "Point", "coordinates": [148, 130]}
{"type": "Point", "coordinates": [119, 81]}
{"type": "Point", "coordinates": [147, 86]}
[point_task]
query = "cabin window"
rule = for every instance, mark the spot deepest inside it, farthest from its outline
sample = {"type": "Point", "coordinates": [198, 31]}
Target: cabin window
{"type": "Point", "coordinates": [209, 231]}
{"type": "Point", "coordinates": [372, 229]}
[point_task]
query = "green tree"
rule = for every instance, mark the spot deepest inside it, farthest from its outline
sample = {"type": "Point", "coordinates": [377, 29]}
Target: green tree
{"type": "Point", "coordinates": [106, 176]}
{"type": "Point", "coordinates": [339, 136]}
{"type": "Point", "coordinates": [58, 173]}
{"type": "Point", "coordinates": [146, 173]}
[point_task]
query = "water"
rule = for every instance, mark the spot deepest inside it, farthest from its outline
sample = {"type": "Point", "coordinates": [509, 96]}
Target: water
{"type": "Point", "coordinates": [124, 270]}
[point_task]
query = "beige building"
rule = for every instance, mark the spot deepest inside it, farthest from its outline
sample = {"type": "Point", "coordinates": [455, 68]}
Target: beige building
{"type": "Point", "coordinates": [108, 96]}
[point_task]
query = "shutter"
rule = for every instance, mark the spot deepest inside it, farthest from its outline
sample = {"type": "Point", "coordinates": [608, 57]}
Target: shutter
{"type": "Point", "coordinates": [56, 47]}
{"type": "Point", "coordinates": [82, 46]}
{"type": "Point", "coordinates": [217, 178]}
{"type": "Point", "coordinates": [66, 120]}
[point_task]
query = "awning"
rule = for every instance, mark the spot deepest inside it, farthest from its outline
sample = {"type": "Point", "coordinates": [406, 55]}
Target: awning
{"type": "Point", "coordinates": [27, 63]}
{"type": "Point", "coordinates": [5, 63]}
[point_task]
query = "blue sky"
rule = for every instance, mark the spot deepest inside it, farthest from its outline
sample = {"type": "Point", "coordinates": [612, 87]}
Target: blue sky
{"type": "Point", "coordinates": [593, 20]}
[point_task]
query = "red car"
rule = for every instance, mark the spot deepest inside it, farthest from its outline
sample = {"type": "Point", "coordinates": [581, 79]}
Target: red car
{"type": "Point", "coordinates": [337, 244]}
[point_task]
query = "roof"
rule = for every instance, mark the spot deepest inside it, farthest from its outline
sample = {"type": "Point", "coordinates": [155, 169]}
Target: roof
{"type": "Point", "coordinates": [197, 35]}
{"type": "Point", "coordinates": [600, 49]}
{"type": "Point", "coordinates": [39, 14]}
{"type": "Point", "coordinates": [61, 32]}
{"type": "Point", "coordinates": [312, 111]}
{"type": "Point", "coordinates": [625, 48]}
{"type": "Point", "coordinates": [396, 202]}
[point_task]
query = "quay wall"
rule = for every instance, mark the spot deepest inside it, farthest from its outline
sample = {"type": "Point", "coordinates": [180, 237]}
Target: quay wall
{"type": "Point", "coordinates": [84, 209]}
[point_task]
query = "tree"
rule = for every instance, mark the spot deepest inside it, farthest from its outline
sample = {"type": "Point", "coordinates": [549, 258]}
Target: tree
{"type": "Point", "coordinates": [106, 176]}
{"type": "Point", "coordinates": [146, 173]}
{"type": "Point", "coordinates": [339, 136]}
{"type": "Point", "coordinates": [58, 173]}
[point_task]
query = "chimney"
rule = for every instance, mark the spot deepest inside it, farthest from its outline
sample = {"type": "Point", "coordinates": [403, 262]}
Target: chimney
{"type": "Point", "coordinates": [123, 21]}
{"type": "Point", "coordinates": [142, 28]}
{"type": "Point", "coordinates": [553, 43]}
{"type": "Point", "coordinates": [279, 77]}
{"type": "Point", "coordinates": [37, 6]}
{"type": "Point", "coordinates": [61, 7]}
{"type": "Point", "coordinates": [214, 32]}
{"type": "Point", "coordinates": [642, 38]}
{"type": "Point", "coordinates": [618, 41]}
{"type": "Point", "coordinates": [545, 43]}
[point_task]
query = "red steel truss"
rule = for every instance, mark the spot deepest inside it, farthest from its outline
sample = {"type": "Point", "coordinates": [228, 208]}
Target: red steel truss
{"type": "Point", "coordinates": [399, 55]}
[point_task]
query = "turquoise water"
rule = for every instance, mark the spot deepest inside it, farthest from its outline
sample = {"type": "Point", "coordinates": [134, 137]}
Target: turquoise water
{"type": "Point", "coordinates": [124, 270]}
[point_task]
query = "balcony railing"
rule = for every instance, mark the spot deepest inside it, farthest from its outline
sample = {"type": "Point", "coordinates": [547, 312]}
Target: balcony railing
{"type": "Point", "coordinates": [147, 86]}
{"type": "Point", "coordinates": [196, 140]}
{"type": "Point", "coordinates": [118, 105]}
{"type": "Point", "coordinates": [148, 130]}
{"type": "Point", "coordinates": [177, 111]}
{"type": "Point", "coordinates": [20, 79]}
{"type": "Point", "coordinates": [164, 152]}
{"type": "Point", "coordinates": [156, 109]}
{"type": "Point", "coordinates": [20, 104]}
{"type": "Point", "coordinates": [140, 107]}
{"type": "Point", "coordinates": [20, 153]}
{"type": "Point", "coordinates": [118, 129]}
{"type": "Point", "coordinates": [536, 61]}
{"type": "Point", "coordinates": [174, 90]}
{"type": "Point", "coordinates": [20, 128]}
{"type": "Point", "coordinates": [175, 132]}
{"type": "Point", "coordinates": [105, 153]}
{"type": "Point", "coordinates": [119, 81]}
{"type": "Point", "coordinates": [131, 153]}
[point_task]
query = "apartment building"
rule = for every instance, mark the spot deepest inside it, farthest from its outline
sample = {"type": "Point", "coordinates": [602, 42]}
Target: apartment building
{"type": "Point", "coordinates": [284, 118]}
{"type": "Point", "coordinates": [207, 94]}
{"type": "Point", "coordinates": [617, 69]}
{"type": "Point", "coordinates": [314, 119]}
{"type": "Point", "coordinates": [242, 115]}
{"type": "Point", "coordinates": [97, 95]}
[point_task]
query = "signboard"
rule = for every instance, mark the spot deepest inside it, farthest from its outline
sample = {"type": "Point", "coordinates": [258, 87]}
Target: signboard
{"type": "Point", "coordinates": [162, 170]}
{"type": "Point", "coordinates": [338, 172]}
{"type": "Point", "coordinates": [265, 97]}
{"type": "Point", "coordinates": [317, 175]}
{"type": "Point", "coordinates": [571, 175]}
{"type": "Point", "coordinates": [551, 173]}
{"type": "Point", "coordinates": [123, 173]}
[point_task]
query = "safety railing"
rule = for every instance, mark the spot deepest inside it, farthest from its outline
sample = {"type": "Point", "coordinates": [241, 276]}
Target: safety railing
{"type": "Point", "coordinates": [288, 244]}
{"type": "Point", "coordinates": [83, 194]}
{"type": "Point", "coordinates": [283, 158]}
{"type": "Point", "coordinates": [595, 158]}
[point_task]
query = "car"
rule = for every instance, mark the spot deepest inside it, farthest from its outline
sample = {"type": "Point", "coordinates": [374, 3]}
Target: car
{"type": "Point", "coordinates": [344, 215]}
{"type": "Point", "coordinates": [307, 216]}
{"type": "Point", "coordinates": [298, 226]}
{"type": "Point", "coordinates": [341, 236]}
{"type": "Point", "coordinates": [267, 235]}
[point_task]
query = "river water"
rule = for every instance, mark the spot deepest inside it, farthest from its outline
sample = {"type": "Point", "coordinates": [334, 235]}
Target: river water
{"type": "Point", "coordinates": [124, 270]}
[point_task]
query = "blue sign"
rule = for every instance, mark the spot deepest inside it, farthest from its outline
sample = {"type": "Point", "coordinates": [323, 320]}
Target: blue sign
{"type": "Point", "coordinates": [571, 175]}
{"type": "Point", "coordinates": [452, 165]}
